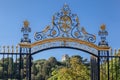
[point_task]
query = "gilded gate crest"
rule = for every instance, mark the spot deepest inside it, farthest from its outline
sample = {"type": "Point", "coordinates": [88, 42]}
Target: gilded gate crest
{"type": "Point", "coordinates": [65, 24]}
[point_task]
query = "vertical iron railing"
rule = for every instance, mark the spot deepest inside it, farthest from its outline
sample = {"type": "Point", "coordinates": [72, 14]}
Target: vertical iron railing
{"type": "Point", "coordinates": [30, 63]}
{"type": "Point", "coordinates": [9, 62]}
{"type": "Point", "coordinates": [15, 63]}
{"type": "Point", "coordinates": [110, 67]}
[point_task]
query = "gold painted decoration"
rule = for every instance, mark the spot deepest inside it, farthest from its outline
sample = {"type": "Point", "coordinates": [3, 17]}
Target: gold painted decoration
{"type": "Point", "coordinates": [103, 27]}
{"type": "Point", "coordinates": [65, 31]}
{"type": "Point", "coordinates": [26, 23]}
{"type": "Point", "coordinates": [64, 40]}
{"type": "Point", "coordinates": [76, 34]}
{"type": "Point", "coordinates": [65, 24]}
{"type": "Point", "coordinates": [84, 31]}
{"type": "Point", "coordinates": [46, 29]}
{"type": "Point", "coordinates": [54, 32]}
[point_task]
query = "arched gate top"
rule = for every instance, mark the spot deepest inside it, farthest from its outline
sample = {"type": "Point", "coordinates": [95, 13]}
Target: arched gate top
{"type": "Point", "coordinates": [64, 40]}
{"type": "Point", "coordinates": [65, 31]}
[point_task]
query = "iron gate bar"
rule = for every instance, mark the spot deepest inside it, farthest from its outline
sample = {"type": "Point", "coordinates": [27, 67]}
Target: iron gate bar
{"type": "Point", "coordinates": [20, 63]}
{"type": "Point", "coordinates": [30, 63]}
{"type": "Point", "coordinates": [3, 66]}
{"type": "Point", "coordinates": [108, 64]}
{"type": "Point", "coordinates": [113, 72]}
{"type": "Point", "coordinates": [98, 65]}
{"type": "Point", "coordinates": [116, 68]}
{"type": "Point", "coordinates": [112, 67]}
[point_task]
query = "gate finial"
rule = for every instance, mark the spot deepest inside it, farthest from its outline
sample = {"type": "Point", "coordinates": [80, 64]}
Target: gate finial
{"type": "Point", "coordinates": [103, 34]}
{"type": "Point", "coordinates": [26, 30]}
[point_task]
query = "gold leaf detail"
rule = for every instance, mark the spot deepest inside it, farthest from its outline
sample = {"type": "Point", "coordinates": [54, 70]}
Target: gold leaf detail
{"type": "Point", "coordinates": [103, 27]}
{"type": "Point", "coordinates": [54, 32]}
{"type": "Point", "coordinates": [76, 34]}
{"type": "Point", "coordinates": [26, 23]}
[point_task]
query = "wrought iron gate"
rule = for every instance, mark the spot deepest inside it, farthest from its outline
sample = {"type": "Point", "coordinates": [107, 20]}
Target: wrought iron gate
{"type": "Point", "coordinates": [16, 62]}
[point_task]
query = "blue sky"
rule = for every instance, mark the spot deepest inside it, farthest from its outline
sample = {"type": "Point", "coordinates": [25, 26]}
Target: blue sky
{"type": "Point", "coordinates": [92, 13]}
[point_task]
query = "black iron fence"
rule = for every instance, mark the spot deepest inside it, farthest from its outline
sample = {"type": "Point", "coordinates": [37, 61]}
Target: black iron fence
{"type": "Point", "coordinates": [14, 64]}
{"type": "Point", "coordinates": [110, 68]}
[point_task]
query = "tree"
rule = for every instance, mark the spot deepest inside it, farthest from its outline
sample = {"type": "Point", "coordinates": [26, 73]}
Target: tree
{"type": "Point", "coordinates": [34, 71]}
{"type": "Point", "coordinates": [83, 61]}
{"type": "Point", "coordinates": [50, 69]}
{"type": "Point", "coordinates": [76, 71]}
{"type": "Point", "coordinates": [1, 70]}
{"type": "Point", "coordinates": [10, 67]}
{"type": "Point", "coordinates": [52, 61]}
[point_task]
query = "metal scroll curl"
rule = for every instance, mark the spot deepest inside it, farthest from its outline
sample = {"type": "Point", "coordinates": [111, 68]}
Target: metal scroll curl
{"type": "Point", "coordinates": [91, 38]}
{"type": "Point", "coordinates": [88, 37]}
{"type": "Point", "coordinates": [38, 36]}
{"type": "Point", "coordinates": [65, 24]}
{"type": "Point", "coordinates": [42, 35]}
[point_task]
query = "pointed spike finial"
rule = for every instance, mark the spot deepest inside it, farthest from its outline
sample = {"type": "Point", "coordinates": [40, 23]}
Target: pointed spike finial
{"type": "Point", "coordinates": [111, 51]}
{"type": "Point", "coordinates": [8, 47]}
{"type": "Point", "coordinates": [77, 20]}
{"type": "Point", "coordinates": [118, 50]}
{"type": "Point", "coordinates": [115, 52]}
{"type": "Point", "coordinates": [0, 48]}
{"type": "Point", "coordinates": [17, 49]}
{"type": "Point", "coordinates": [12, 49]}
{"type": "Point", "coordinates": [4, 49]}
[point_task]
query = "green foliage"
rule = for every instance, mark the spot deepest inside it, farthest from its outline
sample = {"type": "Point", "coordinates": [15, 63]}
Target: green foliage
{"type": "Point", "coordinates": [114, 69]}
{"type": "Point", "coordinates": [74, 68]}
{"type": "Point", "coordinates": [50, 69]}
{"type": "Point", "coordinates": [34, 69]}
{"type": "Point", "coordinates": [76, 71]}
{"type": "Point", "coordinates": [10, 66]}
{"type": "Point", "coordinates": [1, 69]}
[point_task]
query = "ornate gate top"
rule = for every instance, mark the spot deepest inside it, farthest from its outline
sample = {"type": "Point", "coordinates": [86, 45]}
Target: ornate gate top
{"type": "Point", "coordinates": [65, 31]}
{"type": "Point", "coordinates": [65, 24]}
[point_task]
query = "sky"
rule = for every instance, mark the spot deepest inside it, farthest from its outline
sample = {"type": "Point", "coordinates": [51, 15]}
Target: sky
{"type": "Point", "coordinates": [91, 13]}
